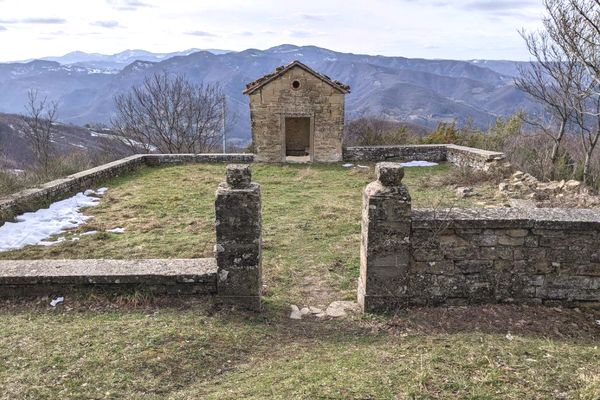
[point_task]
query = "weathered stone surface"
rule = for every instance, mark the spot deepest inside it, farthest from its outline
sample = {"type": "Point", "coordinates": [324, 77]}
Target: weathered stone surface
{"type": "Point", "coordinates": [315, 100]}
{"type": "Point", "coordinates": [389, 173]}
{"type": "Point", "coordinates": [339, 309]}
{"type": "Point", "coordinates": [239, 176]}
{"type": "Point", "coordinates": [385, 245]}
{"type": "Point", "coordinates": [162, 159]}
{"type": "Point", "coordinates": [433, 153]}
{"type": "Point", "coordinates": [239, 238]}
{"type": "Point", "coordinates": [459, 155]}
{"type": "Point", "coordinates": [477, 159]}
{"type": "Point", "coordinates": [172, 276]}
{"type": "Point", "coordinates": [466, 256]}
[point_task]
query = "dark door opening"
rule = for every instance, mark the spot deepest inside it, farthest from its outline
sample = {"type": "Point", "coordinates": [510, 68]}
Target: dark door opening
{"type": "Point", "coordinates": [297, 138]}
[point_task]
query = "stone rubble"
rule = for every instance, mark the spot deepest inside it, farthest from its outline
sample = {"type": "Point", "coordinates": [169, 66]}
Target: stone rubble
{"type": "Point", "coordinates": [295, 314]}
{"type": "Point", "coordinates": [336, 309]}
{"type": "Point", "coordinates": [562, 194]}
{"type": "Point", "coordinates": [339, 309]}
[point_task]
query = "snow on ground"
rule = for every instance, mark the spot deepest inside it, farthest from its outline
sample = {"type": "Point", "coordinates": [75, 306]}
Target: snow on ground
{"type": "Point", "coordinates": [404, 164]}
{"type": "Point", "coordinates": [34, 228]}
{"type": "Point", "coordinates": [418, 163]}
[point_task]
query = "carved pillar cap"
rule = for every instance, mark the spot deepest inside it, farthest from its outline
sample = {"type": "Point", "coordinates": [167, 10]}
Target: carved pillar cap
{"type": "Point", "coordinates": [239, 176]}
{"type": "Point", "coordinates": [389, 173]}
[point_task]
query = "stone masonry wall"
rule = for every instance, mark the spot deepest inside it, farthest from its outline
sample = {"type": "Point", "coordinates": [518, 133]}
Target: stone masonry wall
{"type": "Point", "coordinates": [460, 156]}
{"type": "Point", "coordinates": [433, 153]}
{"type": "Point", "coordinates": [463, 256]}
{"type": "Point", "coordinates": [469, 157]}
{"type": "Point", "coordinates": [29, 278]}
{"type": "Point", "coordinates": [506, 255]}
{"type": "Point", "coordinates": [316, 99]}
{"type": "Point", "coordinates": [239, 239]}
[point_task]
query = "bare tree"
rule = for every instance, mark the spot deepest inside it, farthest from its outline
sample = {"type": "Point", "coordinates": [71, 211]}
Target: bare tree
{"type": "Point", "coordinates": [587, 118]}
{"type": "Point", "coordinates": [576, 28]}
{"type": "Point", "coordinates": [40, 117]}
{"type": "Point", "coordinates": [549, 79]}
{"type": "Point", "coordinates": [170, 114]}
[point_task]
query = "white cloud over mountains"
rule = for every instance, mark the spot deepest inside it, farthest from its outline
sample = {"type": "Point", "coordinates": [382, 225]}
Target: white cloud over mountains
{"type": "Point", "coordinates": [460, 29]}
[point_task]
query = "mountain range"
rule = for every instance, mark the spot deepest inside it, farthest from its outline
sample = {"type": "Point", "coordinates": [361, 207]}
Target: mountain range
{"type": "Point", "coordinates": [420, 91]}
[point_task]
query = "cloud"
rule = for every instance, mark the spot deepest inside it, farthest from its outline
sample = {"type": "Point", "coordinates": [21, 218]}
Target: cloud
{"type": "Point", "coordinates": [298, 33]}
{"type": "Point", "coordinates": [314, 17]}
{"type": "Point", "coordinates": [106, 24]}
{"type": "Point", "coordinates": [34, 21]}
{"type": "Point", "coordinates": [505, 7]}
{"type": "Point", "coordinates": [200, 33]}
{"type": "Point", "coordinates": [2, 28]}
{"type": "Point", "coordinates": [127, 5]}
{"type": "Point", "coordinates": [246, 33]}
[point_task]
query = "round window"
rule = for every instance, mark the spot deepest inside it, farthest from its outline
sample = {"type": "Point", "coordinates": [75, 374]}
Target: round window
{"type": "Point", "coordinates": [296, 84]}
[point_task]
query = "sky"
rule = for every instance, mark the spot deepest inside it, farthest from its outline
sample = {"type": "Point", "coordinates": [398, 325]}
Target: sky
{"type": "Point", "coordinates": [450, 29]}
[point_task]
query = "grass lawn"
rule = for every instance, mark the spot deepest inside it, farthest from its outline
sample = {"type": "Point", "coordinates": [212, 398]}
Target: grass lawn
{"type": "Point", "coordinates": [155, 348]}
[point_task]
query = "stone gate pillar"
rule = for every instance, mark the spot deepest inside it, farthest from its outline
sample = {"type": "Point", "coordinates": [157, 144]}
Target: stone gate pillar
{"type": "Point", "coordinates": [385, 240]}
{"type": "Point", "coordinates": [238, 249]}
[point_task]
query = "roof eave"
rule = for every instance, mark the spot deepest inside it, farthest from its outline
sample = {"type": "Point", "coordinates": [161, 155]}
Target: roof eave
{"type": "Point", "coordinates": [296, 63]}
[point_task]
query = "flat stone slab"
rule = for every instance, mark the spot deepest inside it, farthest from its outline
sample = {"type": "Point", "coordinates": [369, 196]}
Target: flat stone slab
{"type": "Point", "coordinates": [111, 272]}
{"type": "Point", "coordinates": [560, 218]}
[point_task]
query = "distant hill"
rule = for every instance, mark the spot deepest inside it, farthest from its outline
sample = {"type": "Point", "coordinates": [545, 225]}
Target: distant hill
{"type": "Point", "coordinates": [419, 91]}
{"type": "Point", "coordinates": [118, 61]}
{"type": "Point", "coordinates": [67, 139]}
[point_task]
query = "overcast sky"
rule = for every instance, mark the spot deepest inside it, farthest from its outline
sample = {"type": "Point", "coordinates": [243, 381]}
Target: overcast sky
{"type": "Point", "coordinates": [454, 29]}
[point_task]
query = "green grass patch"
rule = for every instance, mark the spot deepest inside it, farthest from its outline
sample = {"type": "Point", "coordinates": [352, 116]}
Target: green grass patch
{"type": "Point", "coordinates": [137, 349]}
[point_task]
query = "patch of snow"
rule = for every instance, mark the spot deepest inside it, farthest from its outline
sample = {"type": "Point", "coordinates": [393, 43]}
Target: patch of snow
{"type": "Point", "coordinates": [418, 163]}
{"type": "Point", "coordinates": [49, 243]}
{"type": "Point", "coordinates": [34, 228]}
{"type": "Point", "coordinates": [116, 230]}
{"type": "Point", "coordinates": [89, 233]}
{"type": "Point", "coordinates": [348, 165]}
{"type": "Point", "coordinates": [362, 166]}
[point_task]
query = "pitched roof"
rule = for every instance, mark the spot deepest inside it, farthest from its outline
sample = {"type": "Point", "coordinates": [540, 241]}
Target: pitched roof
{"type": "Point", "coordinates": [260, 82]}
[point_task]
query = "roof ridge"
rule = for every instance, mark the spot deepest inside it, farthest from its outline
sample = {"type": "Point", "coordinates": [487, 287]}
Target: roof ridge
{"type": "Point", "coordinates": [258, 83]}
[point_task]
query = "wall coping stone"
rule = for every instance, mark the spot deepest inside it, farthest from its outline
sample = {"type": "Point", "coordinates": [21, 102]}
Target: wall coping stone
{"type": "Point", "coordinates": [77, 272]}
{"type": "Point", "coordinates": [559, 218]}
{"type": "Point", "coordinates": [488, 155]}
{"type": "Point", "coordinates": [42, 195]}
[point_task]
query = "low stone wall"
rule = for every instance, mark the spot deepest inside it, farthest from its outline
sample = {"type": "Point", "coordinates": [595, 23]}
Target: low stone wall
{"type": "Point", "coordinates": [160, 159]}
{"type": "Point", "coordinates": [461, 156]}
{"type": "Point", "coordinates": [25, 278]}
{"type": "Point", "coordinates": [463, 256]}
{"type": "Point", "coordinates": [43, 195]}
{"type": "Point", "coordinates": [235, 274]}
{"type": "Point", "coordinates": [477, 159]}
{"type": "Point", "coordinates": [425, 152]}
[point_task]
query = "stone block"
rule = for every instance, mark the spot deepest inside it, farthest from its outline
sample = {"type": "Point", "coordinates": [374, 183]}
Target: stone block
{"type": "Point", "coordinates": [238, 176]}
{"type": "Point", "coordinates": [389, 173]}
